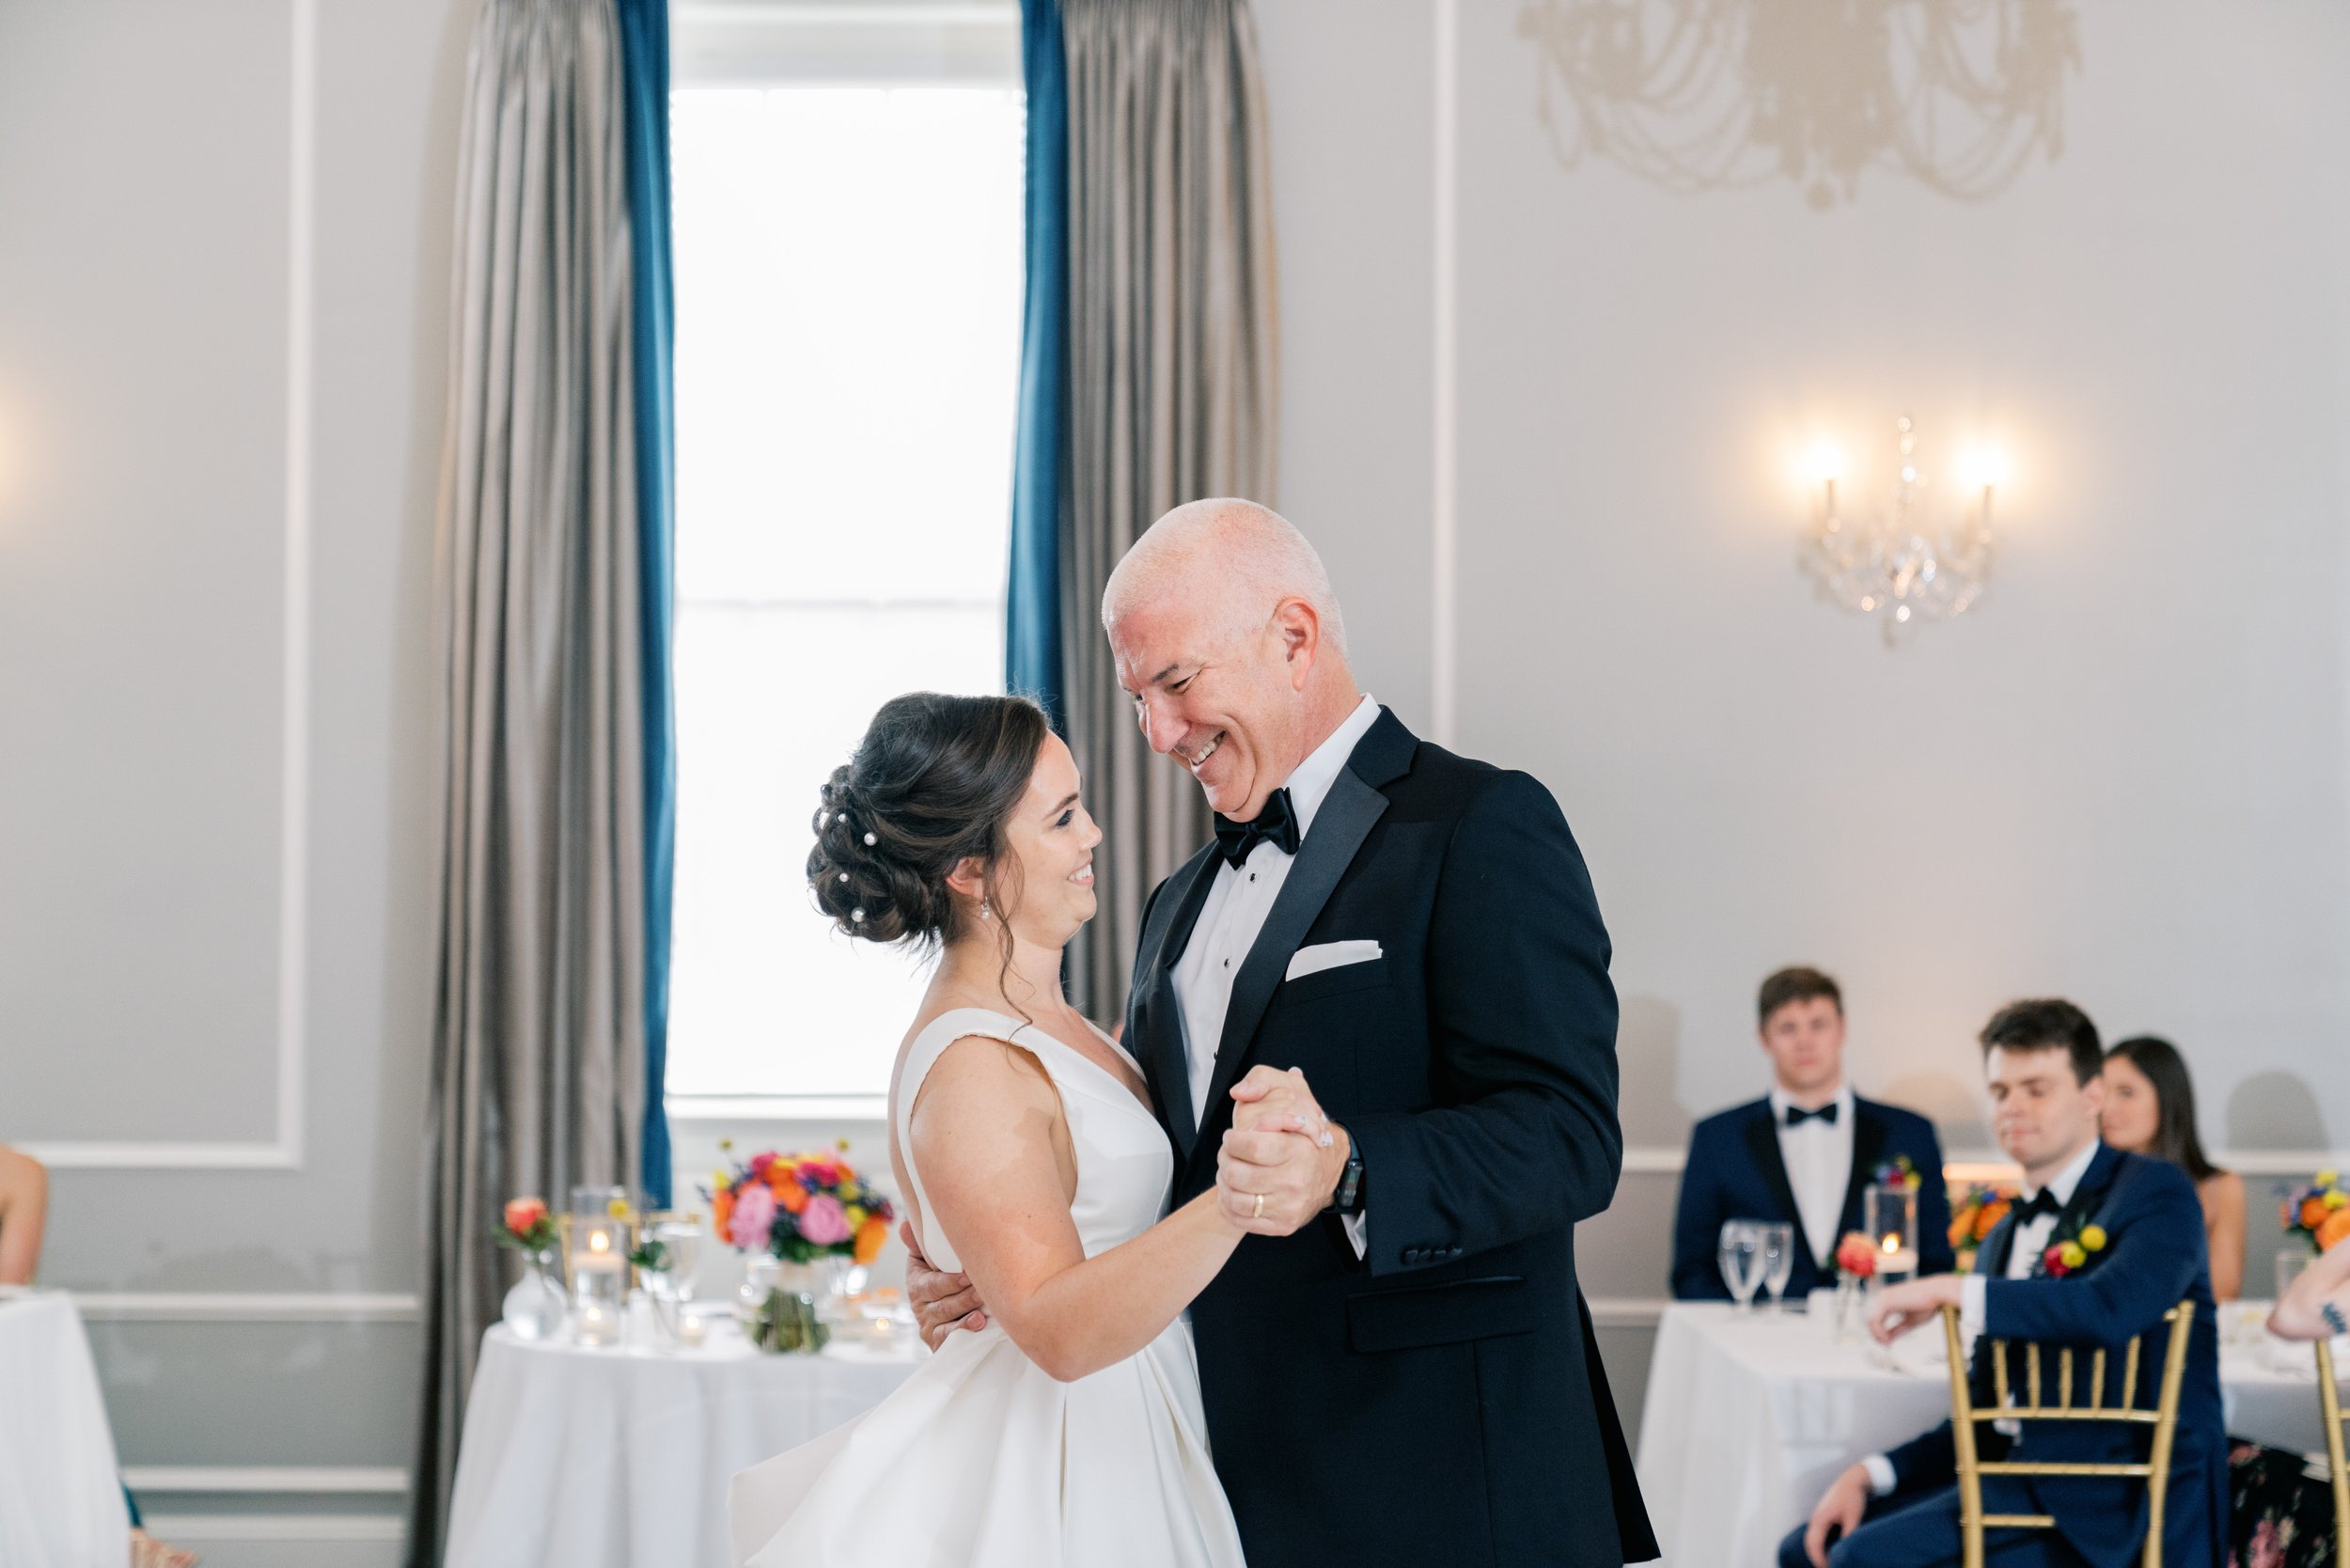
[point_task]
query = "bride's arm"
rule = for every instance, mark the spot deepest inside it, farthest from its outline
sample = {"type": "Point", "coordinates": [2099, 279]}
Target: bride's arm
{"type": "Point", "coordinates": [991, 1141]}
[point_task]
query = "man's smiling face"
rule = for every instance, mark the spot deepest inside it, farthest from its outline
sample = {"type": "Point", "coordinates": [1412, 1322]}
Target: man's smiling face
{"type": "Point", "coordinates": [1215, 690]}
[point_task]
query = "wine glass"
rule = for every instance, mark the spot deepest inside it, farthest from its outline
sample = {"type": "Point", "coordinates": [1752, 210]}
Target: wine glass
{"type": "Point", "coordinates": [1741, 1259]}
{"type": "Point", "coordinates": [1779, 1263]}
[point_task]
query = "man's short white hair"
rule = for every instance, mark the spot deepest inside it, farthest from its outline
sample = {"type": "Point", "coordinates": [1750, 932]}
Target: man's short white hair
{"type": "Point", "coordinates": [1254, 556]}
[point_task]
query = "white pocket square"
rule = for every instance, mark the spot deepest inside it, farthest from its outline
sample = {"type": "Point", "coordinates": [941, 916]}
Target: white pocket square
{"type": "Point", "coordinates": [1329, 955]}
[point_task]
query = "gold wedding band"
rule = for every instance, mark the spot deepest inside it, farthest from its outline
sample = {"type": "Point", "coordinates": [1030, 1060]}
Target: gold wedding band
{"type": "Point", "coordinates": [1258, 1212]}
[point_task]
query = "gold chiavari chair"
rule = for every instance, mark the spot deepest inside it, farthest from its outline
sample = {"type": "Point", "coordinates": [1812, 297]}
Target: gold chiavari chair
{"type": "Point", "coordinates": [2163, 1417]}
{"type": "Point", "coordinates": [2338, 1467]}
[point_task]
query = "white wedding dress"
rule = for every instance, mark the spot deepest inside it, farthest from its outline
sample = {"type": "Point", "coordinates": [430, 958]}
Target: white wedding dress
{"type": "Point", "coordinates": [979, 1458]}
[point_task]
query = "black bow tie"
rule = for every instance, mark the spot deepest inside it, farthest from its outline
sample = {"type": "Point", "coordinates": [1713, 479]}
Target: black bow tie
{"type": "Point", "coordinates": [2039, 1204]}
{"type": "Point", "coordinates": [1277, 824]}
{"type": "Point", "coordinates": [1797, 1116]}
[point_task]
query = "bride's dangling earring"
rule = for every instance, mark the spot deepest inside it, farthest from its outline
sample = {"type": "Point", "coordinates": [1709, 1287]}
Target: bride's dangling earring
{"type": "Point", "coordinates": [984, 913]}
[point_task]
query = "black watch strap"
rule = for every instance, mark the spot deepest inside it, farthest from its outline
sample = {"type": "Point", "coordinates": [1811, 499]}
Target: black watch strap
{"type": "Point", "coordinates": [1348, 1199]}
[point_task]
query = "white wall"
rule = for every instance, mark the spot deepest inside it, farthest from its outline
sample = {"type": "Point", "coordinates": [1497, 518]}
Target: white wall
{"type": "Point", "coordinates": [152, 424]}
{"type": "Point", "coordinates": [2124, 779]}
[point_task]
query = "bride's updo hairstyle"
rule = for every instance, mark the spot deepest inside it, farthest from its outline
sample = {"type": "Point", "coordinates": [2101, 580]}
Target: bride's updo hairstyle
{"type": "Point", "coordinates": [931, 785]}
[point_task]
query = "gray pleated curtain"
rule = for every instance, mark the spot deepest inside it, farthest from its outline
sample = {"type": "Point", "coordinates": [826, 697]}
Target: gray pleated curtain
{"type": "Point", "coordinates": [539, 1034]}
{"type": "Point", "coordinates": [1171, 386]}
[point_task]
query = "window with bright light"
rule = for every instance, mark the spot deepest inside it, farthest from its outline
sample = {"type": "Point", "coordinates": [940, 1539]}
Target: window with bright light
{"type": "Point", "coordinates": [849, 292]}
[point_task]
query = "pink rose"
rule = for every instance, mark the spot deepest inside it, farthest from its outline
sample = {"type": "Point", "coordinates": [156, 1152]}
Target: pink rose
{"type": "Point", "coordinates": [754, 1215]}
{"type": "Point", "coordinates": [822, 1222]}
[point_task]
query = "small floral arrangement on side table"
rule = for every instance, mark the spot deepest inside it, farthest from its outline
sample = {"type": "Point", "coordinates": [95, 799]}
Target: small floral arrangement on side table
{"type": "Point", "coordinates": [2320, 1212]}
{"type": "Point", "coordinates": [1855, 1265]}
{"type": "Point", "coordinates": [535, 1307]}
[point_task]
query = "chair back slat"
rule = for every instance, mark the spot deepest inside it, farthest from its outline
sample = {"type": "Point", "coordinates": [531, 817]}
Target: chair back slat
{"type": "Point", "coordinates": [2337, 1464]}
{"type": "Point", "coordinates": [2163, 1417]}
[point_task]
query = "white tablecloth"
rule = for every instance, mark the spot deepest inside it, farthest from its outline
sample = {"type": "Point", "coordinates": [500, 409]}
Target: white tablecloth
{"type": "Point", "coordinates": [612, 1458]}
{"type": "Point", "coordinates": [1748, 1420]}
{"type": "Point", "coordinates": [60, 1494]}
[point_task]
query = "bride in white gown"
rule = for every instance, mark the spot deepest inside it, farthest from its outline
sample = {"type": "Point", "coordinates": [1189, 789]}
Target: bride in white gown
{"type": "Point", "coordinates": [1068, 1432]}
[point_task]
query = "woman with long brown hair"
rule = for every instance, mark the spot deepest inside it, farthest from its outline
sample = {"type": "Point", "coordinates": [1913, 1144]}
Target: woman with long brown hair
{"type": "Point", "coordinates": [2150, 1110]}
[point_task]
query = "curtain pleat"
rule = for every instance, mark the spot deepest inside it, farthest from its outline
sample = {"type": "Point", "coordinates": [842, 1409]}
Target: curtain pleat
{"type": "Point", "coordinates": [539, 1052]}
{"type": "Point", "coordinates": [1032, 612]}
{"type": "Point", "coordinates": [1171, 387]}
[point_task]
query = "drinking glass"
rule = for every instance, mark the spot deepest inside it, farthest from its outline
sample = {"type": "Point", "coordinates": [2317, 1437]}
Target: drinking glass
{"type": "Point", "coordinates": [1779, 1263]}
{"type": "Point", "coordinates": [1740, 1260]}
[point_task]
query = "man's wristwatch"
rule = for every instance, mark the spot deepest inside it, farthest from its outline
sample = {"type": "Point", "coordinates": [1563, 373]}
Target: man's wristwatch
{"type": "Point", "coordinates": [1348, 1196]}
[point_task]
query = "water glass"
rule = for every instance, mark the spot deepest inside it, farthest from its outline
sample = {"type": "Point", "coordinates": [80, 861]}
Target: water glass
{"type": "Point", "coordinates": [1779, 1263]}
{"type": "Point", "coordinates": [1740, 1256]}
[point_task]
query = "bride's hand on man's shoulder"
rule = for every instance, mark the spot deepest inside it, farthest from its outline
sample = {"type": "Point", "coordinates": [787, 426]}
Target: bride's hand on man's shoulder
{"type": "Point", "coordinates": [942, 1302]}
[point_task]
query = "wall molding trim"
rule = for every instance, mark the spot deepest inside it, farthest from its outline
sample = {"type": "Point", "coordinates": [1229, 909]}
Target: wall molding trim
{"type": "Point", "coordinates": [247, 1307]}
{"type": "Point", "coordinates": [210, 1528]}
{"type": "Point", "coordinates": [1627, 1311]}
{"type": "Point", "coordinates": [308, 1480]}
{"type": "Point", "coordinates": [284, 1151]}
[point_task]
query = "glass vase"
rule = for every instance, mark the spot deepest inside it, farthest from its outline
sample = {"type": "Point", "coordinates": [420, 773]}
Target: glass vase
{"type": "Point", "coordinates": [535, 1307]}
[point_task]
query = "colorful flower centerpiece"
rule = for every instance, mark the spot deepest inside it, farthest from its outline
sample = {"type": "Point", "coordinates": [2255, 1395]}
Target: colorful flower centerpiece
{"type": "Point", "coordinates": [2320, 1212]}
{"type": "Point", "coordinates": [1974, 1217]}
{"type": "Point", "coordinates": [535, 1307]}
{"type": "Point", "coordinates": [816, 1219]}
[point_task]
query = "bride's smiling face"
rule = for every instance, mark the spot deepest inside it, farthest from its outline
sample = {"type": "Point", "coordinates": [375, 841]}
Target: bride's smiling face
{"type": "Point", "coordinates": [1050, 840]}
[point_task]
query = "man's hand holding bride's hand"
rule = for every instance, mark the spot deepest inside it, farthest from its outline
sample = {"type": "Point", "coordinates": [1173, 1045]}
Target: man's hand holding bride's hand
{"type": "Point", "coordinates": [942, 1302]}
{"type": "Point", "coordinates": [1281, 1160]}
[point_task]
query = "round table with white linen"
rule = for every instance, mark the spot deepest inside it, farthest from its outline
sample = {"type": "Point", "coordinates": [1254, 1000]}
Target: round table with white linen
{"type": "Point", "coordinates": [1748, 1420]}
{"type": "Point", "coordinates": [61, 1502]}
{"type": "Point", "coordinates": [620, 1458]}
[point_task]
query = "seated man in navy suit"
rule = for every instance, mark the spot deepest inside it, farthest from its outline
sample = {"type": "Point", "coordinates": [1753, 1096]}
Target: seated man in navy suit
{"type": "Point", "coordinates": [2099, 1248]}
{"type": "Point", "coordinates": [1804, 1155]}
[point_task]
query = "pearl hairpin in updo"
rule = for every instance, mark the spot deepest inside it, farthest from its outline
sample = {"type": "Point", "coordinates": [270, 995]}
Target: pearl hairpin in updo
{"type": "Point", "coordinates": [857, 916]}
{"type": "Point", "coordinates": [870, 840]}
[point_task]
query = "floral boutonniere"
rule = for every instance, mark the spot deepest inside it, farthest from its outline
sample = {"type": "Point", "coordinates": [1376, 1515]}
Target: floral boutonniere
{"type": "Point", "coordinates": [2070, 1248]}
{"type": "Point", "coordinates": [1897, 1172]}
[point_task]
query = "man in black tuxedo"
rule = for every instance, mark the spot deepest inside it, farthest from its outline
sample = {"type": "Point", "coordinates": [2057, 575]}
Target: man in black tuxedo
{"type": "Point", "coordinates": [2100, 1246]}
{"type": "Point", "coordinates": [1403, 946]}
{"type": "Point", "coordinates": [1805, 1154]}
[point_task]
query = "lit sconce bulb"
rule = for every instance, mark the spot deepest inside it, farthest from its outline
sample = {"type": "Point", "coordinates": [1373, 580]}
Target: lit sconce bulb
{"type": "Point", "coordinates": [1827, 463]}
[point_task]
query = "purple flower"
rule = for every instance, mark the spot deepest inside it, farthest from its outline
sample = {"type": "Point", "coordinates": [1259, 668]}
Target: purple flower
{"type": "Point", "coordinates": [754, 1212]}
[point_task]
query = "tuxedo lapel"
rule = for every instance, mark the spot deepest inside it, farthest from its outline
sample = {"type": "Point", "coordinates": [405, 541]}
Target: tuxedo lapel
{"type": "Point", "coordinates": [1992, 1259]}
{"type": "Point", "coordinates": [1762, 1145]}
{"type": "Point", "coordinates": [1340, 828]}
{"type": "Point", "coordinates": [1160, 1042]}
{"type": "Point", "coordinates": [1869, 1135]}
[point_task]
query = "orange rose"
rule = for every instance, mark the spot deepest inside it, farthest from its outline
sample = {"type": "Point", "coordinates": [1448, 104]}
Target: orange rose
{"type": "Point", "coordinates": [793, 1198]}
{"type": "Point", "coordinates": [2314, 1212]}
{"type": "Point", "coordinates": [873, 1235]}
{"type": "Point", "coordinates": [721, 1211]}
{"type": "Point", "coordinates": [1989, 1218]}
{"type": "Point", "coordinates": [2335, 1231]}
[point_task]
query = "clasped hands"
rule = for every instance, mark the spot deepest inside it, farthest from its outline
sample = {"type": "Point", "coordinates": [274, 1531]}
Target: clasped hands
{"type": "Point", "coordinates": [1281, 1158]}
{"type": "Point", "coordinates": [1277, 1168]}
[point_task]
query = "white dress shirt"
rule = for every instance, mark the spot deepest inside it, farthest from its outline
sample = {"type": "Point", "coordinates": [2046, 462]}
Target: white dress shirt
{"type": "Point", "coordinates": [2029, 1240]}
{"type": "Point", "coordinates": [1238, 900]}
{"type": "Point", "coordinates": [1818, 1158]}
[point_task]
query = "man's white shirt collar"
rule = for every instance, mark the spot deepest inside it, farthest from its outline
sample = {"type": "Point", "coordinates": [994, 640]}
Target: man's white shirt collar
{"type": "Point", "coordinates": [1309, 784]}
{"type": "Point", "coordinates": [1781, 1101]}
{"type": "Point", "coordinates": [2064, 1183]}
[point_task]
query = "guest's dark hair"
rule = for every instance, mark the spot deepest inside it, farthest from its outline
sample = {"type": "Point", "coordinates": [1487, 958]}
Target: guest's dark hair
{"type": "Point", "coordinates": [1797, 984]}
{"type": "Point", "coordinates": [2176, 1138]}
{"type": "Point", "coordinates": [931, 785]}
{"type": "Point", "coordinates": [2047, 1024]}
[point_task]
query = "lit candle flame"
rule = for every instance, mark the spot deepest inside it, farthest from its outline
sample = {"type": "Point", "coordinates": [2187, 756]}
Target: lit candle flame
{"type": "Point", "coordinates": [599, 1241]}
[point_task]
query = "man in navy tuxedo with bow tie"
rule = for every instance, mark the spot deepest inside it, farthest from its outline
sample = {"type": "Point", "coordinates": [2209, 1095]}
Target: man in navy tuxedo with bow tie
{"type": "Point", "coordinates": [2101, 1245]}
{"type": "Point", "coordinates": [1400, 947]}
{"type": "Point", "coordinates": [1803, 1155]}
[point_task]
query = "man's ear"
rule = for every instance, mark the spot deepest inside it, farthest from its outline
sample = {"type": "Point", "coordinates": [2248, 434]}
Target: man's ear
{"type": "Point", "coordinates": [1300, 631]}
